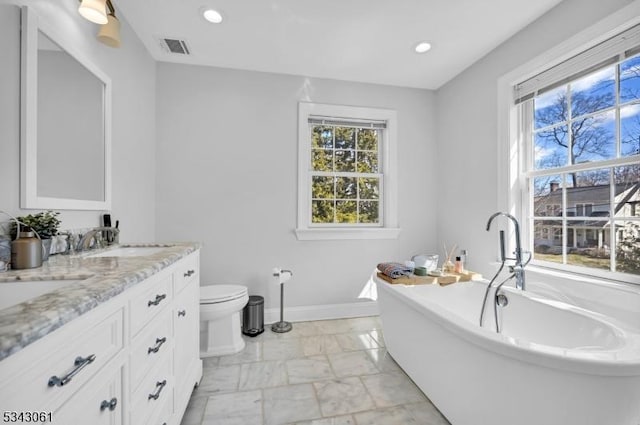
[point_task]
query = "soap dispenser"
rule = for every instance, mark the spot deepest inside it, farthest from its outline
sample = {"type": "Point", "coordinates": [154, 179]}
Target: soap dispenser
{"type": "Point", "coordinates": [26, 251]}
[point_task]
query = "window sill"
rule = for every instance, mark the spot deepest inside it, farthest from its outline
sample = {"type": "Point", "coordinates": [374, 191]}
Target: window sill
{"type": "Point", "coordinates": [580, 275]}
{"type": "Point", "coordinates": [347, 234]}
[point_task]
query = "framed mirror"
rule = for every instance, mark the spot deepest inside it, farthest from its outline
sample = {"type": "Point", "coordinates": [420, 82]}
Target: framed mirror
{"type": "Point", "coordinates": [65, 143]}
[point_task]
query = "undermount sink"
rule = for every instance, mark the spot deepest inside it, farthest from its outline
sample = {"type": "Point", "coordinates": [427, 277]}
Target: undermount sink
{"type": "Point", "coordinates": [130, 251]}
{"type": "Point", "coordinates": [19, 291]}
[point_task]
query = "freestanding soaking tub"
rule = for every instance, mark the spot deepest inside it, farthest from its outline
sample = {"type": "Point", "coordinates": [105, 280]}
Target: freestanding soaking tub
{"type": "Point", "coordinates": [552, 363]}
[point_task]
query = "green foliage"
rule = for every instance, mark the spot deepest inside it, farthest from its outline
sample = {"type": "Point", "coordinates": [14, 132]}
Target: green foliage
{"type": "Point", "coordinates": [46, 224]}
{"type": "Point", "coordinates": [628, 251]}
{"type": "Point", "coordinates": [338, 198]}
{"type": "Point", "coordinates": [322, 187]}
{"type": "Point", "coordinates": [345, 138]}
{"type": "Point", "coordinates": [367, 140]}
{"type": "Point", "coordinates": [344, 149]}
{"type": "Point", "coordinates": [346, 212]}
{"type": "Point", "coordinates": [322, 211]}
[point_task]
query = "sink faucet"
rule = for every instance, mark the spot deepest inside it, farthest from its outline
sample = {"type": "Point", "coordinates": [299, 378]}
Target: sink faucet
{"type": "Point", "coordinates": [85, 240]}
{"type": "Point", "coordinates": [518, 267]}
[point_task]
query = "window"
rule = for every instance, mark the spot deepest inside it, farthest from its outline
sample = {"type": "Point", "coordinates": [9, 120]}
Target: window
{"type": "Point", "coordinates": [552, 210]}
{"type": "Point", "coordinates": [584, 210]}
{"type": "Point", "coordinates": [345, 178]}
{"type": "Point", "coordinates": [346, 163]}
{"type": "Point", "coordinates": [581, 153]}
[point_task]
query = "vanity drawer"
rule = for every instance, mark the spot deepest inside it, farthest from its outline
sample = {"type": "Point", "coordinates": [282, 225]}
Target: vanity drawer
{"type": "Point", "coordinates": [150, 302]}
{"type": "Point", "coordinates": [150, 345]}
{"type": "Point", "coordinates": [50, 373]}
{"type": "Point", "coordinates": [99, 402]}
{"type": "Point", "coordinates": [155, 390]}
{"type": "Point", "coordinates": [186, 271]}
{"type": "Point", "coordinates": [164, 417]}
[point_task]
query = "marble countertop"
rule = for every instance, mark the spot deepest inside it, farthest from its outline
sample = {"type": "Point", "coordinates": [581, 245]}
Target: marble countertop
{"type": "Point", "coordinates": [100, 278]}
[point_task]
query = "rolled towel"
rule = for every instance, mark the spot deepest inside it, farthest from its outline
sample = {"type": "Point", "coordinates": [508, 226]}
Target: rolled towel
{"type": "Point", "coordinates": [394, 270]}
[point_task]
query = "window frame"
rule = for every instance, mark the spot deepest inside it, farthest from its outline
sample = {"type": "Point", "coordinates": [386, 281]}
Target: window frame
{"type": "Point", "coordinates": [387, 154]}
{"type": "Point", "coordinates": [529, 172]}
{"type": "Point", "coordinates": [511, 181]}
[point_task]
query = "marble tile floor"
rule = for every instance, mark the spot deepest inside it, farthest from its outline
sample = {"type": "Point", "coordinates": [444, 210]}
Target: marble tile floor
{"type": "Point", "coordinates": [329, 372]}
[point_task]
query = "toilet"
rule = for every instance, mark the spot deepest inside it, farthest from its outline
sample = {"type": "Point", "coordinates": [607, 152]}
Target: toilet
{"type": "Point", "coordinates": [220, 327]}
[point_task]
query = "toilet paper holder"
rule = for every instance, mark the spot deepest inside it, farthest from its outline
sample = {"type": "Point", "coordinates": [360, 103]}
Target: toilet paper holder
{"type": "Point", "coordinates": [282, 276]}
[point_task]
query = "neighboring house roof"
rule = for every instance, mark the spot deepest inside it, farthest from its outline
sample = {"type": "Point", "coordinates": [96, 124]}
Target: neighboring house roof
{"type": "Point", "coordinates": [596, 195]}
{"type": "Point", "coordinates": [585, 194]}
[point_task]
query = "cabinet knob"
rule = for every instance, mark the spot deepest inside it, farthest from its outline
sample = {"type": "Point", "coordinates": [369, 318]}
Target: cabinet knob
{"type": "Point", "coordinates": [182, 313]}
{"type": "Point", "coordinates": [189, 273]}
{"type": "Point", "coordinates": [111, 404]}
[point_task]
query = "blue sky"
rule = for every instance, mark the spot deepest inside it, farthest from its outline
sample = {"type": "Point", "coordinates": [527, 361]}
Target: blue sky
{"type": "Point", "coordinates": [590, 94]}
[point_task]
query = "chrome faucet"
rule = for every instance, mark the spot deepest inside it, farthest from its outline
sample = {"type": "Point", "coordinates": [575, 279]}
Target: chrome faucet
{"type": "Point", "coordinates": [69, 243]}
{"type": "Point", "coordinates": [518, 267]}
{"type": "Point", "coordinates": [85, 240]}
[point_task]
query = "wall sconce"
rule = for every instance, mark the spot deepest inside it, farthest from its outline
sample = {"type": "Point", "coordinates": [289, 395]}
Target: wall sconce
{"type": "Point", "coordinates": [103, 13]}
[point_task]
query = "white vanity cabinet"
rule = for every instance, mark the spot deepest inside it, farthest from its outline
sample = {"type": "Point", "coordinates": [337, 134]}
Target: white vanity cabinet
{"type": "Point", "coordinates": [132, 360]}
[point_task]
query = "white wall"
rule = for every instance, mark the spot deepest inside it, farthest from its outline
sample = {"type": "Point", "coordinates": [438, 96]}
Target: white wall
{"type": "Point", "coordinates": [227, 176]}
{"type": "Point", "coordinates": [132, 71]}
{"type": "Point", "coordinates": [467, 129]}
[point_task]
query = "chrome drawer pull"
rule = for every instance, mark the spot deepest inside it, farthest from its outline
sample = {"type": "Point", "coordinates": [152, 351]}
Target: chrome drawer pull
{"type": "Point", "coordinates": [157, 300]}
{"type": "Point", "coordinates": [182, 313]}
{"type": "Point", "coordinates": [111, 404]}
{"type": "Point", "coordinates": [159, 386]}
{"type": "Point", "coordinates": [189, 273]}
{"type": "Point", "coordinates": [79, 363]}
{"type": "Point", "coordinates": [159, 342]}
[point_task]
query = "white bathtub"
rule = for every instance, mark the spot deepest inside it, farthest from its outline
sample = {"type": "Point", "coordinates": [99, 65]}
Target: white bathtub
{"type": "Point", "coordinates": [552, 364]}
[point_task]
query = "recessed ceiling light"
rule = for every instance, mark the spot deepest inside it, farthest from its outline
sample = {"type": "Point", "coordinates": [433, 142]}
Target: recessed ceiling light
{"type": "Point", "coordinates": [423, 47]}
{"type": "Point", "coordinates": [212, 16]}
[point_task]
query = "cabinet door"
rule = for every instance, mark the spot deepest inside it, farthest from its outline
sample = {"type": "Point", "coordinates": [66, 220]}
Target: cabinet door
{"type": "Point", "coordinates": [99, 402]}
{"type": "Point", "coordinates": [185, 271]}
{"type": "Point", "coordinates": [53, 369]}
{"type": "Point", "coordinates": [187, 347]}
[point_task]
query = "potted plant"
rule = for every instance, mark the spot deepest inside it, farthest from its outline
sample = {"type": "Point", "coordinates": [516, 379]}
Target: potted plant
{"type": "Point", "coordinates": [45, 224]}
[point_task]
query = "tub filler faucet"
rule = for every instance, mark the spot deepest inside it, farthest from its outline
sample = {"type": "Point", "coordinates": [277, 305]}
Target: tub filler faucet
{"type": "Point", "coordinates": [518, 267]}
{"type": "Point", "coordinates": [516, 271]}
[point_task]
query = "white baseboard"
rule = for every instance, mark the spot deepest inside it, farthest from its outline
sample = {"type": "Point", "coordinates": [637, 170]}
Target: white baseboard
{"type": "Point", "coordinates": [322, 312]}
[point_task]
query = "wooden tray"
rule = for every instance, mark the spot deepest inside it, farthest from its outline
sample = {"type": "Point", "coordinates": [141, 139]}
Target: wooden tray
{"type": "Point", "coordinates": [441, 280]}
{"type": "Point", "coordinates": [409, 280]}
{"type": "Point", "coordinates": [454, 277]}
{"type": "Point", "coordinates": [468, 275]}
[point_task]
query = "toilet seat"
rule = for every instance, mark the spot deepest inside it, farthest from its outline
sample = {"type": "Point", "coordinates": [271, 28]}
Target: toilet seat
{"type": "Point", "coordinates": [215, 294]}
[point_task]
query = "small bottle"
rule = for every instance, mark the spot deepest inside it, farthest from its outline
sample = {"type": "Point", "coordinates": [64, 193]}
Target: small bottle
{"type": "Point", "coordinates": [464, 255]}
{"type": "Point", "coordinates": [458, 268]}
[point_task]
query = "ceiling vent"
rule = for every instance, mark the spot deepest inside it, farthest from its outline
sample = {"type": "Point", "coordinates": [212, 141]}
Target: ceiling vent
{"type": "Point", "coordinates": [174, 45]}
